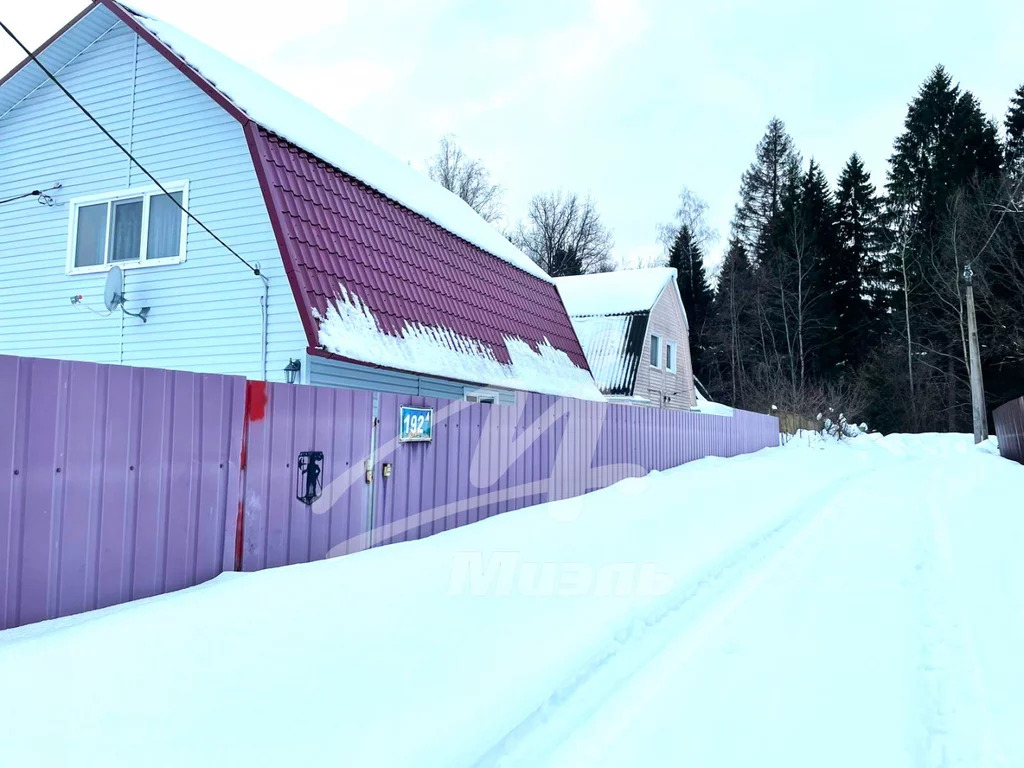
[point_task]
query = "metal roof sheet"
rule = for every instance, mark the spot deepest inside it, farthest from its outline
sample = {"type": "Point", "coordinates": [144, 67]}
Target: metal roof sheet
{"type": "Point", "coordinates": [335, 233]}
{"type": "Point", "coordinates": [613, 345]}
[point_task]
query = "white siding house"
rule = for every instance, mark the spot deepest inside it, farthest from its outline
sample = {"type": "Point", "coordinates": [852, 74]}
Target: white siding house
{"type": "Point", "coordinates": [303, 242]}
{"type": "Point", "coordinates": [205, 311]}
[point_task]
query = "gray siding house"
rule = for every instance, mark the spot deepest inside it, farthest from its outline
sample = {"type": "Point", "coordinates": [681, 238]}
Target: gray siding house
{"type": "Point", "coordinates": [635, 335]}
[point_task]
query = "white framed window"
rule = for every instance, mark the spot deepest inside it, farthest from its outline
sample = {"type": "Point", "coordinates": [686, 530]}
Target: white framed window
{"type": "Point", "coordinates": [670, 356]}
{"type": "Point", "coordinates": [489, 396]}
{"type": "Point", "coordinates": [133, 228]}
{"type": "Point", "coordinates": [655, 351]}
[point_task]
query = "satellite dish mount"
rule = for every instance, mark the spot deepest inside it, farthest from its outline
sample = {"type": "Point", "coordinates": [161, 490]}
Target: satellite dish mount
{"type": "Point", "coordinates": [114, 298]}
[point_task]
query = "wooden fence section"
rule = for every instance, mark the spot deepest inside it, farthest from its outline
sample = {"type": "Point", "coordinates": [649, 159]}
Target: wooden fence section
{"type": "Point", "coordinates": [791, 423]}
{"type": "Point", "coordinates": [1009, 419]}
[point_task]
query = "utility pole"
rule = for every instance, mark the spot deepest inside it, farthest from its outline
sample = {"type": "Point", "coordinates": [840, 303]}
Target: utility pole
{"type": "Point", "coordinates": [977, 386]}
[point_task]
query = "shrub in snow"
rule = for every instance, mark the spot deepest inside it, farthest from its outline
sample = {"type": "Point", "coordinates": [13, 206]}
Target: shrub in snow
{"type": "Point", "coordinates": [840, 428]}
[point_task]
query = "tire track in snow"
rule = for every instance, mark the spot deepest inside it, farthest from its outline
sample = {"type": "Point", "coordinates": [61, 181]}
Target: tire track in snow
{"type": "Point", "coordinates": [696, 607]}
{"type": "Point", "coordinates": [958, 721]}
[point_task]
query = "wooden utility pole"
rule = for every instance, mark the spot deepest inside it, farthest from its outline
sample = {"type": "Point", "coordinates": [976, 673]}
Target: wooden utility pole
{"type": "Point", "coordinates": [977, 385]}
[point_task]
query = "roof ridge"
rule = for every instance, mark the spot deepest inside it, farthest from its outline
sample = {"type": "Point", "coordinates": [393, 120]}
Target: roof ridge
{"type": "Point", "coordinates": [250, 96]}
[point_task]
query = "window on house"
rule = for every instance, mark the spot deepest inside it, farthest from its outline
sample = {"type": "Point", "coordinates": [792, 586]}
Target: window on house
{"type": "Point", "coordinates": [488, 396]}
{"type": "Point", "coordinates": [133, 228]}
{"type": "Point", "coordinates": [655, 351]}
{"type": "Point", "coordinates": [670, 356]}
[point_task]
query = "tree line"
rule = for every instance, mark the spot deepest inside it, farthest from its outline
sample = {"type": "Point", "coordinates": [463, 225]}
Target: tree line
{"type": "Point", "coordinates": [849, 296]}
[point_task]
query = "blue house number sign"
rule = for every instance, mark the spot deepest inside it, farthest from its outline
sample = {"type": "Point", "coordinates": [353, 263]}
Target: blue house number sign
{"type": "Point", "coordinates": [415, 425]}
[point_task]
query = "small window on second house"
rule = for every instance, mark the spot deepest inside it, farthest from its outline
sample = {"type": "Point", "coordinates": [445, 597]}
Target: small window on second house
{"type": "Point", "coordinates": [670, 356]}
{"type": "Point", "coordinates": [655, 351]}
{"type": "Point", "coordinates": [128, 228]}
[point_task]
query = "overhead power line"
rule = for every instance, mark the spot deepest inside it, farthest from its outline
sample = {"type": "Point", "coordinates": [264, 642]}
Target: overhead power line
{"type": "Point", "coordinates": [255, 270]}
{"type": "Point", "coordinates": [44, 198]}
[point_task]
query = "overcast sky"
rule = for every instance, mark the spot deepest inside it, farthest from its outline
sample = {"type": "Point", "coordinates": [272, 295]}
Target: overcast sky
{"type": "Point", "coordinates": [627, 100]}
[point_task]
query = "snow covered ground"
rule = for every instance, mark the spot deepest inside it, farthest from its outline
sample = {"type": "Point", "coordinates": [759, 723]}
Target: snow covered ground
{"type": "Point", "coordinates": [858, 604]}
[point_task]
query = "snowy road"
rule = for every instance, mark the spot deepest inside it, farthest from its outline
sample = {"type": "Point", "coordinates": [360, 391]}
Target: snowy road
{"type": "Point", "coordinates": [880, 630]}
{"type": "Point", "coordinates": [860, 605]}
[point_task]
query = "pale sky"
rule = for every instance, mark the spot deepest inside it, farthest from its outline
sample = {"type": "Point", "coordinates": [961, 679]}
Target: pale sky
{"type": "Point", "coordinates": [627, 100]}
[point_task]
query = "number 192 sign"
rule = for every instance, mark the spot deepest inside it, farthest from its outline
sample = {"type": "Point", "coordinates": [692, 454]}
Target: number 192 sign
{"type": "Point", "coordinates": [415, 425]}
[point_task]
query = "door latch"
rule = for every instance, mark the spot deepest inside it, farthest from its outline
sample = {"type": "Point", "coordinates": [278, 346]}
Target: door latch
{"type": "Point", "coordinates": [369, 470]}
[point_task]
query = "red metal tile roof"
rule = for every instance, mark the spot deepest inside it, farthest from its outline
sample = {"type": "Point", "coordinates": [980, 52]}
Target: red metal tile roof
{"type": "Point", "coordinates": [334, 231]}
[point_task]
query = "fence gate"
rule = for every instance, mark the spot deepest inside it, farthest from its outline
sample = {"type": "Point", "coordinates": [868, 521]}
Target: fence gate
{"type": "Point", "coordinates": [305, 474]}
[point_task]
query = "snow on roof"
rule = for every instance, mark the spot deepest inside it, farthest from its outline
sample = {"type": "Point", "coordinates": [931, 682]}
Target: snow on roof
{"type": "Point", "coordinates": [614, 293]}
{"type": "Point", "coordinates": [307, 127]}
{"type": "Point", "coordinates": [351, 330]}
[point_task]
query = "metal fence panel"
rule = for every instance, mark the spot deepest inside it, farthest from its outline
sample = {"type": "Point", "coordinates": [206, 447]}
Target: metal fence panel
{"type": "Point", "coordinates": [1009, 420]}
{"type": "Point", "coordinates": [483, 460]}
{"type": "Point", "coordinates": [114, 483]}
{"type": "Point", "coordinates": [118, 483]}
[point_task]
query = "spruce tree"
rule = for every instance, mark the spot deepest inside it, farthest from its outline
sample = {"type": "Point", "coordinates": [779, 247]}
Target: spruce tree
{"type": "Point", "coordinates": [1015, 134]}
{"type": "Point", "coordinates": [857, 290]}
{"type": "Point", "coordinates": [688, 260]}
{"type": "Point", "coordinates": [824, 306]}
{"type": "Point", "coordinates": [565, 262]}
{"type": "Point", "coordinates": [947, 144]}
{"type": "Point", "coordinates": [730, 324]}
{"type": "Point", "coordinates": [762, 188]}
{"type": "Point", "coordinates": [949, 152]}
{"type": "Point", "coordinates": [801, 274]}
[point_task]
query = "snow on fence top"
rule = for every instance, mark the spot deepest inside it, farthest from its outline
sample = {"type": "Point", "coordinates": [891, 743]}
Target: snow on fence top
{"type": "Point", "coordinates": [307, 127]}
{"type": "Point", "coordinates": [614, 293]}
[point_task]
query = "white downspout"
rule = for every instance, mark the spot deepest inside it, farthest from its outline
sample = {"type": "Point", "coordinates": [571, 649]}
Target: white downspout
{"type": "Point", "coordinates": [265, 318]}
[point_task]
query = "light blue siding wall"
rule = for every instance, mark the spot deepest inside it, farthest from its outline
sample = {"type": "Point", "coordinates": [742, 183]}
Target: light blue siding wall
{"type": "Point", "coordinates": [340, 373]}
{"type": "Point", "coordinates": [205, 312]}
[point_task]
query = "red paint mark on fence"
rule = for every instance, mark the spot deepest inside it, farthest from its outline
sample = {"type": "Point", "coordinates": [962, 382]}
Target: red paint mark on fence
{"type": "Point", "coordinates": [255, 400]}
{"type": "Point", "coordinates": [255, 410]}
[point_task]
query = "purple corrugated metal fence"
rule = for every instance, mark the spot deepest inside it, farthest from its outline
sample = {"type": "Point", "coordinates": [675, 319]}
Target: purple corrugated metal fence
{"type": "Point", "coordinates": [1009, 420]}
{"type": "Point", "coordinates": [483, 460]}
{"type": "Point", "coordinates": [118, 483]}
{"type": "Point", "coordinates": [115, 483]}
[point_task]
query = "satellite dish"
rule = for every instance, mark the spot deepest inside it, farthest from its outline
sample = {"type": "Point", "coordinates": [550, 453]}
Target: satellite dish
{"type": "Point", "coordinates": [113, 292]}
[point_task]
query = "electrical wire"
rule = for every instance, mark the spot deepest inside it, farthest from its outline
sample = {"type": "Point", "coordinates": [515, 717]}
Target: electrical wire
{"type": "Point", "coordinates": [119, 145]}
{"type": "Point", "coordinates": [78, 303]}
{"type": "Point", "coordinates": [20, 197]}
{"type": "Point", "coordinates": [44, 198]}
